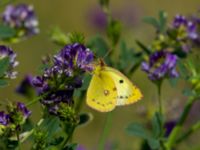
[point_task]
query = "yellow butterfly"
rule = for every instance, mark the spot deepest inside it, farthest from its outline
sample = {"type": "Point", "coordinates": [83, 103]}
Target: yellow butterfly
{"type": "Point", "coordinates": [110, 88]}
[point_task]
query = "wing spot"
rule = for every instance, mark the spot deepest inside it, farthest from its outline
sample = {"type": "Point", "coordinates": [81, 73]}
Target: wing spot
{"type": "Point", "coordinates": [114, 89]}
{"type": "Point", "coordinates": [121, 97]}
{"type": "Point", "coordinates": [93, 100]}
{"type": "Point", "coordinates": [121, 81]}
{"type": "Point", "coordinates": [106, 92]}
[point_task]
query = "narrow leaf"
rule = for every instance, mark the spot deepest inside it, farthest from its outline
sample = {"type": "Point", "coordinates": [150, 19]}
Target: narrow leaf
{"type": "Point", "coordinates": [6, 32]}
{"type": "Point", "coordinates": [4, 64]}
{"type": "Point", "coordinates": [137, 129]}
{"type": "Point", "coordinates": [3, 83]}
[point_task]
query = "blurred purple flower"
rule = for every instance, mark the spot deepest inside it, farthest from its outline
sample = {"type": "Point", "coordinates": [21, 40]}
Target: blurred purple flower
{"type": "Point", "coordinates": [26, 87]}
{"type": "Point", "coordinates": [21, 17]}
{"type": "Point", "coordinates": [169, 127]}
{"type": "Point", "coordinates": [7, 52]}
{"type": "Point", "coordinates": [97, 18]}
{"type": "Point", "coordinates": [80, 147]}
{"type": "Point", "coordinates": [127, 14]}
{"type": "Point", "coordinates": [161, 64]}
{"type": "Point", "coordinates": [22, 108]}
{"type": "Point", "coordinates": [189, 25]}
{"type": "Point", "coordinates": [4, 118]}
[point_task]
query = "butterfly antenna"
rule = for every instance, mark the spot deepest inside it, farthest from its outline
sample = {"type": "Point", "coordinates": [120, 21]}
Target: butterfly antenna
{"type": "Point", "coordinates": [107, 53]}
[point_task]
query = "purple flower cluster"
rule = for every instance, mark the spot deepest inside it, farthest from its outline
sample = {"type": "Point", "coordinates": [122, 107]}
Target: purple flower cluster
{"type": "Point", "coordinates": [7, 52]}
{"type": "Point", "coordinates": [21, 17]}
{"type": "Point", "coordinates": [161, 64]}
{"type": "Point", "coordinates": [59, 81]}
{"type": "Point", "coordinates": [190, 26]}
{"type": "Point", "coordinates": [22, 108]}
{"type": "Point", "coordinates": [187, 30]}
{"type": "Point", "coordinates": [6, 119]}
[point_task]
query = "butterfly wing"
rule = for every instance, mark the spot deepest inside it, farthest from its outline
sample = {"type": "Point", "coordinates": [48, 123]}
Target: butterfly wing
{"type": "Point", "coordinates": [101, 95]}
{"type": "Point", "coordinates": [127, 93]}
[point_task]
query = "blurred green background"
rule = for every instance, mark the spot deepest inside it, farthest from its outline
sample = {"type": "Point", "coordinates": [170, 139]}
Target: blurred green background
{"type": "Point", "coordinates": [73, 15]}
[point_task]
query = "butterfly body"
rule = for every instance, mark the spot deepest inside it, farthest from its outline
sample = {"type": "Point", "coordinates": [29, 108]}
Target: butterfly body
{"type": "Point", "coordinates": [110, 88]}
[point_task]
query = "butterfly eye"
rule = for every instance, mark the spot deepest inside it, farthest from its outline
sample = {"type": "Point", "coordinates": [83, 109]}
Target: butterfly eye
{"type": "Point", "coordinates": [121, 81]}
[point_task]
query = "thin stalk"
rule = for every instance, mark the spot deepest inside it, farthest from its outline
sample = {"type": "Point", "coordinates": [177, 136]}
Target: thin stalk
{"type": "Point", "coordinates": [172, 138]}
{"type": "Point", "coordinates": [36, 100]}
{"type": "Point", "coordinates": [194, 128]}
{"type": "Point", "coordinates": [68, 137]}
{"type": "Point", "coordinates": [18, 139]}
{"type": "Point", "coordinates": [105, 132]}
{"type": "Point", "coordinates": [159, 84]}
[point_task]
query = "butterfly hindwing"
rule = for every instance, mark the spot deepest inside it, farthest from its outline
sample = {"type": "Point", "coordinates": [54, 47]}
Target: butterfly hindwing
{"type": "Point", "coordinates": [127, 93]}
{"type": "Point", "coordinates": [101, 94]}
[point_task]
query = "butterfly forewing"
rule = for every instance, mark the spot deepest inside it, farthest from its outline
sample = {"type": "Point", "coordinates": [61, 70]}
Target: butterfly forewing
{"type": "Point", "coordinates": [101, 94]}
{"type": "Point", "coordinates": [127, 93]}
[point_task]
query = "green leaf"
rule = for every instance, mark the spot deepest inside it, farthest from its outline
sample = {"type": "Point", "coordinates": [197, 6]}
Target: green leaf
{"type": "Point", "coordinates": [163, 20]}
{"type": "Point", "coordinates": [4, 64]}
{"type": "Point", "coordinates": [114, 31]}
{"type": "Point", "coordinates": [51, 125]}
{"type": "Point", "coordinates": [182, 69]}
{"type": "Point", "coordinates": [152, 21]}
{"type": "Point", "coordinates": [137, 129]}
{"type": "Point", "coordinates": [56, 141]}
{"type": "Point", "coordinates": [157, 125]}
{"type": "Point", "coordinates": [3, 83]}
{"type": "Point", "coordinates": [154, 143]}
{"type": "Point", "coordinates": [104, 3]}
{"type": "Point", "coordinates": [77, 37]}
{"type": "Point", "coordinates": [59, 37]}
{"type": "Point", "coordinates": [85, 118]}
{"type": "Point", "coordinates": [188, 92]}
{"type": "Point", "coordinates": [71, 147]}
{"type": "Point", "coordinates": [173, 81]}
{"type": "Point", "coordinates": [6, 32]}
{"type": "Point", "coordinates": [28, 125]}
{"type": "Point", "coordinates": [143, 47]}
{"type": "Point", "coordinates": [98, 45]}
{"type": "Point", "coordinates": [12, 144]}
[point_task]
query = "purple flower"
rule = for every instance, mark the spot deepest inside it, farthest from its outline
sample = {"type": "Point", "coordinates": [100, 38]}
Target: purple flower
{"type": "Point", "coordinates": [58, 82]}
{"type": "Point", "coordinates": [97, 18]}
{"type": "Point", "coordinates": [4, 118]}
{"type": "Point", "coordinates": [22, 108]}
{"type": "Point", "coordinates": [161, 64]}
{"type": "Point", "coordinates": [21, 17]}
{"type": "Point", "coordinates": [7, 52]}
{"type": "Point", "coordinates": [80, 147]}
{"type": "Point", "coordinates": [26, 87]}
{"type": "Point", "coordinates": [73, 57]}
{"type": "Point", "coordinates": [189, 26]}
{"type": "Point", "coordinates": [169, 127]}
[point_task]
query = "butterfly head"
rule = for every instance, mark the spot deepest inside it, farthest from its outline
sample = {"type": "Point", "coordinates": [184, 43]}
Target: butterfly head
{"type": "Point", "coordinates": [98, 67]}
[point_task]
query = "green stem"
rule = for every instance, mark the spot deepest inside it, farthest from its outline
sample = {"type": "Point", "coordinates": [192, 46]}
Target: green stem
{"type": "Point", "coordinates": [195, 127]}
{"type": "Point", "coordinates": [159, 97]}
{"type": "Point", "coordinates": [172, 138]}
{"type": "Point", "coordinates": [18, 139]}
{"type": "Point", "coordinates": [106, 129]}
{"type": "Point", "coordinates": [68, 137]}
{"type": "Point", "coordinates": [36, 100]}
